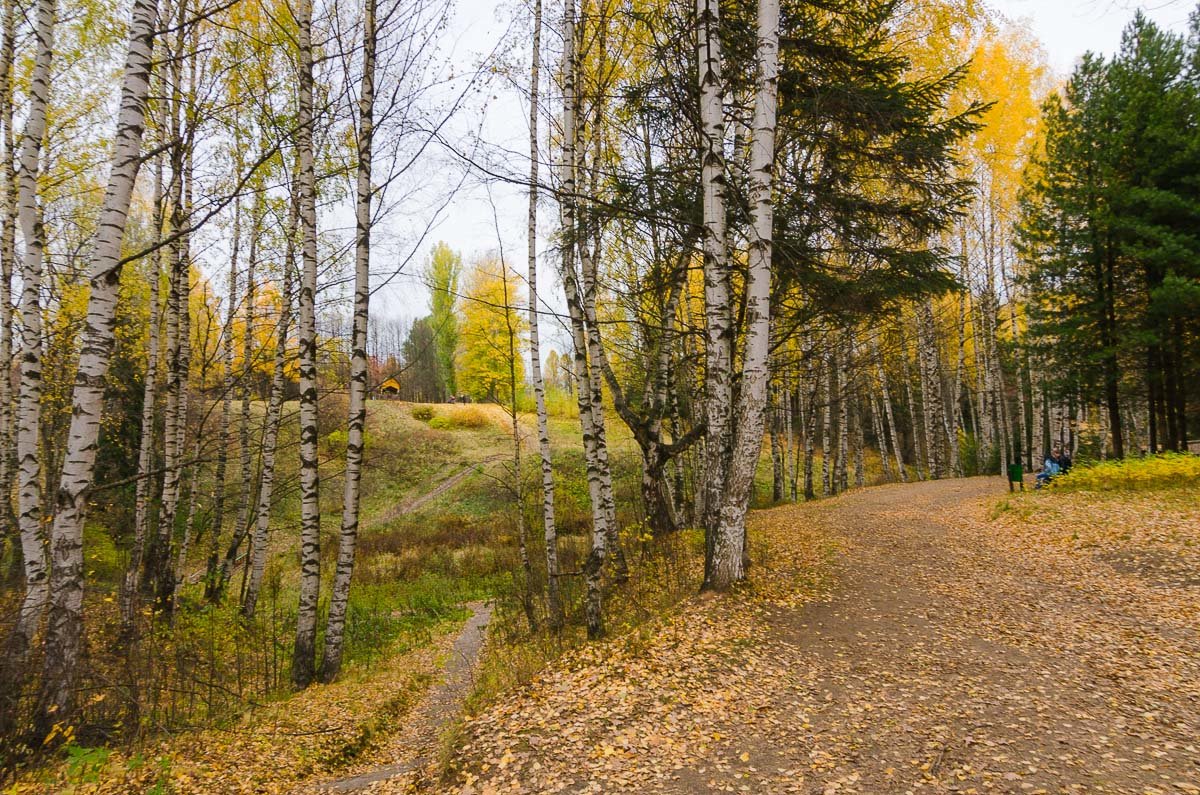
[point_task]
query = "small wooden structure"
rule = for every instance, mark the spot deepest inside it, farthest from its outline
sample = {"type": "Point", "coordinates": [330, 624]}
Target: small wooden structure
{"type": "Point", "coordinates": [389, 389]}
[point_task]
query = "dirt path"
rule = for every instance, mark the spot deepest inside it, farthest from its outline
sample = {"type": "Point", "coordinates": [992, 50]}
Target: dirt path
{"type": "Point", "coordinates": [442, 486]}
{"type": "Point", "coordinates": [941, 656]}
{"type": "Point", "coordinates": [417, 742]}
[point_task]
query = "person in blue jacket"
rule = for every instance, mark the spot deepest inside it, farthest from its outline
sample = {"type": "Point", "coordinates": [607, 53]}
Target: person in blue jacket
{"type": "Point", "coordinates": [1050, 469]}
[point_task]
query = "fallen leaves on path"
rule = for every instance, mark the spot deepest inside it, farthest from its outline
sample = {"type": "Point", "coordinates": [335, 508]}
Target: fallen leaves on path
{"type": "Point", "coordinates": [940, 651]}
{"type": "Point", "coordinates": [276, 747]}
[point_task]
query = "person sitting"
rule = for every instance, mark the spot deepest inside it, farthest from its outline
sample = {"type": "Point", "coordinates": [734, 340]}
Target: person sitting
{"type": "Point", "coordinates": [1050, 468]}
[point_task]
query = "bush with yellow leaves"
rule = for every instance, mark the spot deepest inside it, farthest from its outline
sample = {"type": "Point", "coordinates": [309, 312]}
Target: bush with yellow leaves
{"type": "Point", "coordinates": [1169, 470]}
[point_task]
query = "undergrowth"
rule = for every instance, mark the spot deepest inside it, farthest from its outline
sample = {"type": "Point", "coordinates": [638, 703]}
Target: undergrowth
{"type": "Point", "coordinates": [1169, 470]}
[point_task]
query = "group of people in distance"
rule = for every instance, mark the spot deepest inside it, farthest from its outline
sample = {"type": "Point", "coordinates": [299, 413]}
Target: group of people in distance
{"type": "Point", "coordinates": [1057, 462]}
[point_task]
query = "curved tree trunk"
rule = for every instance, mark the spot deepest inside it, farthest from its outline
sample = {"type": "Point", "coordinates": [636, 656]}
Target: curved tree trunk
{"type": "Point", "coordinates": [65, 627]}
{"type": "Point", "coordinates": [29, 496]}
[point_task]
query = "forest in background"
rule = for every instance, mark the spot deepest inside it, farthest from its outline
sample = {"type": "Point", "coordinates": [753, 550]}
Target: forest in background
{"type": "Point", "coordinates": [802, 247]}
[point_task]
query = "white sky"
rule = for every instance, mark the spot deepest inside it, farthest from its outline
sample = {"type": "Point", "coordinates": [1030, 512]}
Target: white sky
{"type": "Point", "coordinates": [1067, 28]}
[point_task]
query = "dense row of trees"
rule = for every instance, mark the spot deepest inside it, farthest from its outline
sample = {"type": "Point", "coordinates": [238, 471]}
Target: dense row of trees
{"type": "Point", "coordinates": [842, 230]}
{"type": "Point", "coordinates": [1109, 234]}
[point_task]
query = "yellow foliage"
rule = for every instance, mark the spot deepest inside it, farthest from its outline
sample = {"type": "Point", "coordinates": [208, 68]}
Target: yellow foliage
{"type": "Point", "coordinates": [1156, 472]}
{"type": "Point", "coordinates": [488, 359]}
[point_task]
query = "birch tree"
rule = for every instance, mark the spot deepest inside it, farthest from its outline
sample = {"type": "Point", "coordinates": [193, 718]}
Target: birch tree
{"type": "Point", "coordinates": [65, 626]}
{"type": "Point", "coordinates": [554, 609]}
{"type": "Point", "coordinates": [357, 405]}
{"type": "Point", "coordinates": [304, 653]}
{"type": "Point", "coordinates": [728, 558]}
{"type": "Point", "coordinates": [33, 232]}
{"type": "Point", "coordinates": [260, 542]}
{"type": "Point", "coordinates": [718, 370]}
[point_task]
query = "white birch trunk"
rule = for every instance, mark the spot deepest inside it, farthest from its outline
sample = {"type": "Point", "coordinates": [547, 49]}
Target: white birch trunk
{"type": "Point", "coordinates": [65, 627]}
{"type": "Point", "coordinates": [212, 587]}
{"type": "Point", "coordinates": [304, 653]}
{"type": "Point", "coordinates": [339, 598]}
{"type": "Point", "coordinates": [262, 529]}
{"type": "Point", "coordinates": [8, 224]}
{"type": "Point", "coordinates": [827, 481]}
{"type": "Point", "coordinates": [886, 398]}
{"type": "Point", "coordinates": [141, 514]}
{"type": "Point", "coordinates": [593, 565]}
{"type": "Point", "coordinates": [554, 609]}
{"type": "Point", "coordinates": [931, 390]}
{"type": "Point", "coordinates": [729, 564]}
{"type": "Point", "coordinates": [718, 403]}
{"type": "Point", "coordinates": [29, 495]}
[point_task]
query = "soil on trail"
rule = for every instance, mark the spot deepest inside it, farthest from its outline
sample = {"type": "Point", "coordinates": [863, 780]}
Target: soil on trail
{"type": "Point", "coordinates": [941, 652]}
{"type": "Point", "coordinates": [416, 743]}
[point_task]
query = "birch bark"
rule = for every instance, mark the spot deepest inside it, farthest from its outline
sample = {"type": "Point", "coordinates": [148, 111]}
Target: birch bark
{"type": "Point", "coordinates": [65, 627]}
{"type": "Point", "coordinates": [554, 609]}
{"type": "Point", "coordinates": [146, 445]}
{"type": "Point", "coordinates": [259, 544]}
{"type": "Point", "coordinates": [593, 565]}
{"type": "Point", "coordinates": [304, 652]}
{"type": "Point", "coordinates": [718, 403]}
{"type": "Point", "coordinates": [339, 600]}
{"type": "Point", "coordinates": [212, 587]}
{"type": "Point", "coordinates": [8, 225]}
{"type": "Point", "coordinates": [29, 495]}
{"type": "Point", "coordinates": [728, 554]}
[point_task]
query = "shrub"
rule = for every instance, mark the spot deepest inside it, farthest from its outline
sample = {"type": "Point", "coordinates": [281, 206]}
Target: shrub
{"type": "Point", "coordinates": [439, 423]}
{"type": "Point", "coordinates": [422, 413]}
{"type": "Point", "coordinates": [467, 415]}
{"type": "Point", "coordinates": [1161, 471]}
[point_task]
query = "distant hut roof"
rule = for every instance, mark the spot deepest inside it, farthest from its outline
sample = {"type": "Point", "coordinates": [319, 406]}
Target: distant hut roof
{"type": "Point", "coordinates": [390, 385]}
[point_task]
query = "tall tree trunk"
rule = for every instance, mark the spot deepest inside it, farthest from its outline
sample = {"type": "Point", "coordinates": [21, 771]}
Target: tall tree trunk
{"type": "Point", "coordinates": [257, 556]}
{"type": "Point", "coordinates": [29, 497]}
{"type": "Point", "coordinates": [339, 598]}
{"type": "Point", "coordinates": [146, 445]}
{"type": "Point", "coordinates": [8, 228]}
{"type": "Point", "coordinates": [827, 479]}
{"type": "Point", "coordinates": [175, 410]}
{"type": "Point", "coordinates": [931, 388]}
{"type": "Point", "coordinates": [65, 627]}
{"type": "Point", "coordinates": [728, 565]}
{"type": "Point", "coordinates": [885, 461]}
{"type": "Point", "coordinates": [304, 653]}
{"type": "Point", "coordinates": [778, 474]}
{"type": "Point", "coordinates": [912, 414]}
{"type": "Point", "coordinates": [889, 418]}
{"type": "Point", "coordinates": [810, 430]}
{"type": "Point", "coordinates": [718, 403]}
{"type": "Point", "coordinates": [247, 374]}
{"type": "Point", "coordinates": [843, 403]}
{"type": "Point", "coordinates": [554, 608]}
{"type": "Point", "coordinates": [593, 565]}
{"type": "Point", "coordinates": [212, 588]}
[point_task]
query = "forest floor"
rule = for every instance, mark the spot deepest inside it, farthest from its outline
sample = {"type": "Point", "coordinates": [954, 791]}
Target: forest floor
{"type": "Point", "coordinates": [932, 637]}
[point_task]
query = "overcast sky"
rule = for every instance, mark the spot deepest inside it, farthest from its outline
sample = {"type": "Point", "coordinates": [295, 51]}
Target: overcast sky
{"type": "Point", "coordinates": [1067, 28]}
